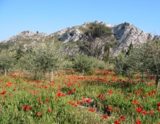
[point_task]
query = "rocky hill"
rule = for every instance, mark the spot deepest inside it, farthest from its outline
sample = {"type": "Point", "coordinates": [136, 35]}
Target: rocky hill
{"type": "Point", "coordinates": [96, 38]}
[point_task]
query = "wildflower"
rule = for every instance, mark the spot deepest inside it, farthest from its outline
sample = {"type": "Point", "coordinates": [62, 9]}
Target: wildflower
{"type": "Point", "coordinates": [47, 100]}
{"type": "Point", "coordinates": [135, 102]}
{"type": "Point", "coordinates": [72, 91]}
{"type": "Point", "coordinates": [158, 106]}
{"type": "Point", "coordinates": [49, 110]}
{"type": "Point", "coordinates": [122, 118]}
{"type": "Point", "coordinates": [3, 92]}
{"type": "Point", "coordinates": [92, 109]}
{"type": "Point", "coordinates": [104, 116]}
{"type": "Point", "coordinates": [110, 108]}
{"type": "Point", "coordinates": [69, 84]}
{"type": "Point", "coordinates": [138, 121]}
{"type": "Point", "coordinates": [139, 109]}
{"type": "Point", "coordinates": [101, 97]}
{"type": "Point", "coordinates": [38, 114]}
{"type": "Point", "coordinates": [151, 112]}
{"type": "Point", "coordinates": [110, 92]}
{"type": "Point", "coordinates": [26, 107]}
{"type": "Point", "coordinates": [144, 112]}
{"type": "Point", "coordinates": [117, 122]}
{"type": "Point", "coordinates": [60, 94]}
{"type": "Point", "coordinates": [87, 100]}
{"type": "Point", "coordinates": [9, 84]}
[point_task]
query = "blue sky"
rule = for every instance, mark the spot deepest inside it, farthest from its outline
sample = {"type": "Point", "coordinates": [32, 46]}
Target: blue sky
{"type": "Point", "coordinates": [51, 15]}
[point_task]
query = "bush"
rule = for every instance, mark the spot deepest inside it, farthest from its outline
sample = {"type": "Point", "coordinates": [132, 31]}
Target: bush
{"type": "Point", "coordinates": [99, 64]}
{"type": "Point", "coordinates": [97, 30]}
{"type": "Point", "coordinates": [123, 65]}
{"type": "Point", "coordinates": [7, 61]}
{"type": "Point", "coordinates": [67, 64]}
{"type": "Point", "coordinates": [84, 64]}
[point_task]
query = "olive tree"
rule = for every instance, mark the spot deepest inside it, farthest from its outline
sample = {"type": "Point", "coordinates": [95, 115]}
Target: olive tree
{"type": "Point", "coordinates": [144, 58]}
{"type": "Point", "coordinates": [42, 59]}
{"type": "Point", "coordinates": [7, 61]}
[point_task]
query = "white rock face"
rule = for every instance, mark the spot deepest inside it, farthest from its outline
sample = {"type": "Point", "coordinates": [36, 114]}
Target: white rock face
{"type": "Point", "coordinates": [127, 34]}
{"type": "Point", "coordinates": [70, 34]}
{"type": "Point", "coordinates": [124, 33]}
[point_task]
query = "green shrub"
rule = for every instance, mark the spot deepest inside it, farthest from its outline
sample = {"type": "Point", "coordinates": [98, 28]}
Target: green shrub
{"type": "Point", "coordinates": [123, 65]}
{"type": "Point", "coordinates": [7, 61]}
{"type": "Point", "coordinates": [99, 64]}
{"type": "Point", "coordinates": [97, 30]}
{"type": "Point", "coordinates": [67, 64]}
{"type": "Point", "coordinates": [84, 64]}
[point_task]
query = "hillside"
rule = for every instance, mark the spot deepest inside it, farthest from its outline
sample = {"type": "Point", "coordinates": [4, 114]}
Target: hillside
{"type": "Point", "coordinates": [95, 39]}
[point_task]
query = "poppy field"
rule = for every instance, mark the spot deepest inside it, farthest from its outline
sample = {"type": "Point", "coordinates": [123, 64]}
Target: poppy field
{"type": "Point", "coordinates": [100, 98]}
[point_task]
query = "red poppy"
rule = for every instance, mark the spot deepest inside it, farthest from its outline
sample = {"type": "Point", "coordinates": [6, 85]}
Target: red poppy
{"type": "Point", "coordinates": [135, 102]}
{"type": "Point", "coordinates": [122, 118]}
{"type": "Point", "coordinates": [144, 112]}
{"type": "Point", "coordinates": [92, 109]}
{"type": "Point", "coordinates": [158, 106]}
{"type": "Point", "coordinates": [110, 92]}
{"type": "Point", "coordinates": [3, 92]}
{"type": "Point", "coordinates": [110, 108]}
{"type": "Point", "coordinates": [139, 109]}
{"type": "Point", "coordinates": [117, 122]}
{"type": "Point", "coordinates": [38, 114]}
{"type": "Point", "coordinates": [69, 84]}
{"type": "Point", "coordinates": [60, 94]}
{"type": "Point", "coordinates": [26, 107]}
{"type": "Point", "coordinates": [101, 97]}
{"type": "Point", "coordinates": [49, 110]}
{"type": "Point", "coordinates": [151, 112]}
{"type": "Point", "coordinates": [47, 100]}
{"type": "Point", "coordinates": [138, 121]}
{"type": "Point", "coordinates": [39, 100]}
{"type": "Point", "coordinates": [9, 84]}
{"type": "Point", "coordinates": [105, 116]}
{"type": "Point", "coordinates": [72, 91]}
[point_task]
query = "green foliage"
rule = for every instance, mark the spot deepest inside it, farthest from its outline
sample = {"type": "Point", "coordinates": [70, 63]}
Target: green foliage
{"type": "Point", "coordinates": [84, 64]}
{"type": "Point", "coordinates": [99, 64]}
{"type": "Point", "coordinates": [142, 58]}
{"type": "Point", "coordinates": [122, 65]}
{"type": "Point", "coordinates": [41, 59]}
{"type": "Point", "coordinates": [67, 64]}
{"type": "Point", "coordinates": [149, 58]}
{"type": "Point", "coordinates": [87, 64]}
{"type": "Point", "coordinates": [97, 30]}
{"type": "Point", "coordinates": [7, 61]}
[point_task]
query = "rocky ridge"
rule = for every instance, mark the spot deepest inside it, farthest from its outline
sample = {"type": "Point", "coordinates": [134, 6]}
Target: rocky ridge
{"type": "Point", "coordinates": [124, 34]}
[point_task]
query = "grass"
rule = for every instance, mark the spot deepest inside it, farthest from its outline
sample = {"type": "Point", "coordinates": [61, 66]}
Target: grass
{"type": "Point", "coordinates": [101, 98]}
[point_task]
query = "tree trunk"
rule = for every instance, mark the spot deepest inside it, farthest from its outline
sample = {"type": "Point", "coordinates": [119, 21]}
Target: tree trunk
{"type": "Point", "coordinates": [51, 76]}
{"type": "Point", "coordinates": [157, 81]}
{"type": "Point", "coordinates": [5, 72]}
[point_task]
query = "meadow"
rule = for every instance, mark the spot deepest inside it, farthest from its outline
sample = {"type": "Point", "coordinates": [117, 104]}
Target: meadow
{"type": "Point", "coordinates": [72, 98]}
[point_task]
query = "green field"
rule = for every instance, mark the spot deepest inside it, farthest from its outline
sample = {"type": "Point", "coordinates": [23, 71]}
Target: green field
{"type": "Point", "coordinates": [101, 98]}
